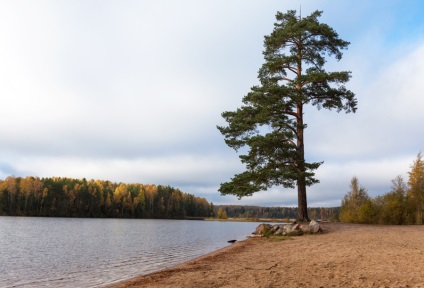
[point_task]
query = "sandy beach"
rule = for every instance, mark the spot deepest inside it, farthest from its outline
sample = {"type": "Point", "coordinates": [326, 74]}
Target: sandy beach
{"type": "Point", "coordinates": [344, 255]}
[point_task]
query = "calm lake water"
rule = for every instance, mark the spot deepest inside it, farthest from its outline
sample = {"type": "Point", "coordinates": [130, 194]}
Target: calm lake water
{"type": "Point", "coordinates": [69, 252]}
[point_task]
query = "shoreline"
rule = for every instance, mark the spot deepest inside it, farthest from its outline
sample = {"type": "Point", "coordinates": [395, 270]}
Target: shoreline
{"type": "Point", "coordinates": [345, 255]}
{"type": "Point", "coordinates": [139, 280]}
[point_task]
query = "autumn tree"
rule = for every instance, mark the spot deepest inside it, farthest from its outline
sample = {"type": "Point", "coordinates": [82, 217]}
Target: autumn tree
{"type": "Point", "coordinates": [119, 197]}
{"type": "Point", "coordinates": [67, 197]}
{"type": "Point", "coordinates": [10, 189]}
{"type": "Point", "coordinates": [393, 205]}
{"type": "Point", "coordinates": [222, 214]}
{"type": "Point", "coordinates": [416, 187]}
{"type": "Point", "coordinates": [357, 206]}
{"type": "Point", "coordinates": [270, 123]}
{"type": "Point", "coordinates": [27, 187]}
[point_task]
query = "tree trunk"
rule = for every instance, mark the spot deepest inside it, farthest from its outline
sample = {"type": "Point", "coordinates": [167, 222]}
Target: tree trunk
{"type": "Point", "coordinates": [301, 181]}
{"type": "Point", "coordinates": [419, 215]}
{"type": "Point", "coordinates": [302, 214]}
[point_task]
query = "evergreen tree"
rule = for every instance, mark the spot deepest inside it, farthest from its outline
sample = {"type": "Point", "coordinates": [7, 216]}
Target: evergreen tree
{"type": "Point", "coordinates": [270, 122]}
{"type": "Point", "coordinates": [66, 197]}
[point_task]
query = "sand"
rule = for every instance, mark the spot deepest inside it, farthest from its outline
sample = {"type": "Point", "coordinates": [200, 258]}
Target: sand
{"type": "Point", "coordinates": [344, 255]}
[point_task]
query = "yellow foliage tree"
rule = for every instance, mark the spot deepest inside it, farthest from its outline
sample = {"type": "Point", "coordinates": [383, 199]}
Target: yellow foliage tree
{"type": "Point", "coordinates": [416, 187]}
{"type": "Point", "coordinates": [221, 214]}
{"type": "Point", "coordinates": [357, 206]}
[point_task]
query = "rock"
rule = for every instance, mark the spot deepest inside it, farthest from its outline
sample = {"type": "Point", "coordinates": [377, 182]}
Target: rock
{"type": "Point", "coordinates": [304, 228]}
{"type": "Point", "coordinates": [262, 228]}
{"type": "Point", "coordinates": [280, 231]}
{"type": "Point", "coordinates": [288, 228]}
{"type": "Point", "coordinates": [314, 227]}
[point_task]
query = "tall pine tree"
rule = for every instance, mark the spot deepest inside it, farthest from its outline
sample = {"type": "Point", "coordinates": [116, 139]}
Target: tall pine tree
{"type": "Point", "coordinates": [270, 122]}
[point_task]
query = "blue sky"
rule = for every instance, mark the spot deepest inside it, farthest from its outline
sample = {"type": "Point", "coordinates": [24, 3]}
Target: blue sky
{"type": "Point", "coordinates": [132, 91]}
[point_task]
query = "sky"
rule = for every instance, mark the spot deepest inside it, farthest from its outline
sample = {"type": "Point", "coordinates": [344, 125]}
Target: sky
{"type": "Point", "coordinates": [132, 91]}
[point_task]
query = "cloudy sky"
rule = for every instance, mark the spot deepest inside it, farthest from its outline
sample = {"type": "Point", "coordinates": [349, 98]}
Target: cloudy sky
{"type": "Point", "coordinates": [132, 91]}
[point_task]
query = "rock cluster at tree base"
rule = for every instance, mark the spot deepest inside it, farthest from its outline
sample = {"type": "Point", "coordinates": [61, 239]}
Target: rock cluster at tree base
{"type": "Point", "coordinates": [288, 229]}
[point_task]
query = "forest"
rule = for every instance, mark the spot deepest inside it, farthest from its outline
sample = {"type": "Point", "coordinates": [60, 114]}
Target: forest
{"type": "Point", "coordinates": [257, 212]}
{"type": "Point", "coordinates": [67, 197]}
{"type": "Point", "coordinates": [403, 205]}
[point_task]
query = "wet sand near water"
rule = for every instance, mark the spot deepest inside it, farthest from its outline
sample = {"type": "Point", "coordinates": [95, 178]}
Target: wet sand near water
{"type": "Point", "coordinates": [344, 255]}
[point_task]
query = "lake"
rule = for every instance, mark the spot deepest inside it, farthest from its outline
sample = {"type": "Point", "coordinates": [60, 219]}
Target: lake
{"type": "Point", "coordinates": [75, 252]}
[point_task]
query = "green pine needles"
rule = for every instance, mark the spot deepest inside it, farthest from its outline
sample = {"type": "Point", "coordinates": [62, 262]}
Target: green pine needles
{"type": "Point", "coordinates": [270, 121]}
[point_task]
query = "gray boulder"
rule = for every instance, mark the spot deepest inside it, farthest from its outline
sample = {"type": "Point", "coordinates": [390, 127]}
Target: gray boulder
{"type": "Point", "coordinates": [262, 228]}
{"type": "Point", "coordinates": [314, 227]}
{"type": "Point", "coordinates": [279, 232]}
{"type": "Point", "coordinates": [288, 228]}
{"type": "Point", "coordinates": [304, 228]}
{"type": "Point", "coordinates": [282, 229]}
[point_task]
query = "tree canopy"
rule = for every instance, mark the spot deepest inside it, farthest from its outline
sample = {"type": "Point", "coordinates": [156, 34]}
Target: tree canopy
{"type": "Point", "coordinates": [355, 204]}
{"type": "Point", "coordinates": [404, 204]}
{"type": "Point", "coordinates": [416, 184]}
{"type": "Point", "coordinates": [68, 197]}
{"type": "Point", "coordinates": [270, 122]}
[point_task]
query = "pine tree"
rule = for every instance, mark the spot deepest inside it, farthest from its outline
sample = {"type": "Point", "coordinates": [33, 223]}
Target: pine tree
{"type": "Point", "coordinates": [270, 122]}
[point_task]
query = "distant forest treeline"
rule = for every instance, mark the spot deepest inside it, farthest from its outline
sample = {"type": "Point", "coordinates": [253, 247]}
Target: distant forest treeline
{"type": "Point", "coordinates": [67, 197]}
{"type": "Point", "coordinates": [236, 211]}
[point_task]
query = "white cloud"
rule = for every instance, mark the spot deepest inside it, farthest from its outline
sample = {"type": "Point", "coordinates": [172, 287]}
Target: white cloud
{"type": "Point", "coordinates": [388, 117]}
{"type": "Point", "coordinates": [132, 91]}
{"type": "Point", "coordinates": [184, 170]}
